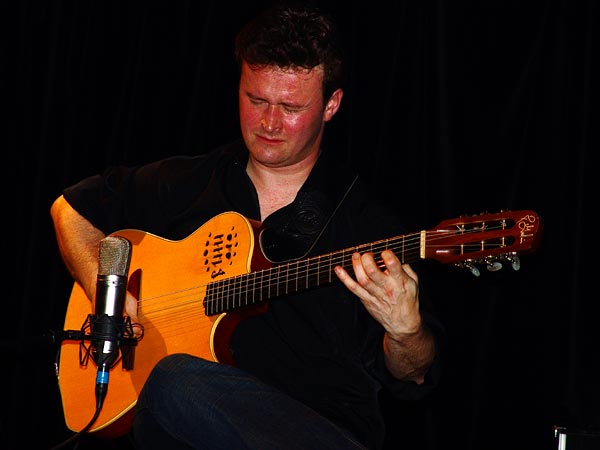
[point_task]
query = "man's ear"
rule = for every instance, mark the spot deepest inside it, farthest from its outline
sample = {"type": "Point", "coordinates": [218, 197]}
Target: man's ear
{"type": "Point", "coordinates": [333, 104]}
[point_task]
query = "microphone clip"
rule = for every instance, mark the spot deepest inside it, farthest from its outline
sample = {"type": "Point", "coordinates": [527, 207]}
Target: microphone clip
{"type": "Point", "coordinates": [126, 340]}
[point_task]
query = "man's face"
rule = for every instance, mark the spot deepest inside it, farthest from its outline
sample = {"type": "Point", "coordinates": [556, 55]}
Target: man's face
{"type": "Point", "coordinates": [282, 115]}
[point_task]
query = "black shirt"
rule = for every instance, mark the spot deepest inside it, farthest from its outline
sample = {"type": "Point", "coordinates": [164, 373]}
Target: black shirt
{"type": "Point", "coordinates": [321, 346]}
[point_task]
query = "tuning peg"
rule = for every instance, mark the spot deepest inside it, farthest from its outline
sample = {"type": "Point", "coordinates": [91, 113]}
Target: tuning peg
{"type": "Point", "coordinates": [515, 262]}
{"type": "Point", "coordinates": [493, 266]}
{"type": "Point", "coordinates": [474, 270]}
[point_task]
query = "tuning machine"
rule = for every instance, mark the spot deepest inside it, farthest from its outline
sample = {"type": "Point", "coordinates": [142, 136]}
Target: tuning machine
{"type": "Point", "coordinates": [470, 265]}
{"type": "Point", "coordinates": [494, 265]}
{"type": "Point", "coordinates": [491, 263]}
{"type": "Point", "coordinates": [515, 261]}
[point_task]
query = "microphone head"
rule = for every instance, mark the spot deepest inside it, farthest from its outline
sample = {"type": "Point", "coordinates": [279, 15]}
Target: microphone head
{"type": "Point", "coordinates": [115, 255]}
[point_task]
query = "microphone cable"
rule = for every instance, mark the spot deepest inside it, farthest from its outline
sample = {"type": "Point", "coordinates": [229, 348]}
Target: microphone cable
{"type": "Point", "coordinates": [76, 437]}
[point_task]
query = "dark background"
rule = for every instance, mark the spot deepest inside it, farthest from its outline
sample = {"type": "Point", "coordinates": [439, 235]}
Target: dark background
{"type": "Point", "coordinates": [452, 108]}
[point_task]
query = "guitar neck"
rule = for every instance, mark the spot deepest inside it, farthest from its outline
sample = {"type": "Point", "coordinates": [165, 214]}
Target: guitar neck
{"type": "Point", "coordinates": [464, 242]}
{"type": "Point", "coordinates": [288, 278]}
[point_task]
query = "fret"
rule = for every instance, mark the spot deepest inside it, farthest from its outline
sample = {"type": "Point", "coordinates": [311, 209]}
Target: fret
{"type": "Point", "coordinates": [234, 300]}
{"type": "Point", "coordinates": [402, 256]}
{"type": "Point", "coordinates": [287, 279]}
{"type": "Point", "coordinates": [296, 276]}
{"type": "Point", "coordinates": [252, 279]}
{"type": "Point", "coordinates": [269, 282]}
{"type": "Point", "coordinates": [306, 274]}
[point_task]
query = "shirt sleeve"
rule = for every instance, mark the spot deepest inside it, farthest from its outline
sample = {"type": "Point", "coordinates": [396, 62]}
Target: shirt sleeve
{"type": "Point", "coordinates": [115, 199]}
{"type": "Point", "coordinates": [163, 197]}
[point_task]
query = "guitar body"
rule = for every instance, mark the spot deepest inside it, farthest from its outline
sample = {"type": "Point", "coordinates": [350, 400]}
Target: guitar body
{"type": "Point", "coordinates": [171, 277]}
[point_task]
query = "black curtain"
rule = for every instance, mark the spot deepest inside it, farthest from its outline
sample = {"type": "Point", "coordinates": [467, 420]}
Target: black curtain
{"type": "Point", "coordinates": [452, 108]}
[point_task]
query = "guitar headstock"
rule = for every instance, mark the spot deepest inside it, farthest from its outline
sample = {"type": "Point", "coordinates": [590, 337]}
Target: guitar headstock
{"type": "Point", "coordinates": [484, 239]}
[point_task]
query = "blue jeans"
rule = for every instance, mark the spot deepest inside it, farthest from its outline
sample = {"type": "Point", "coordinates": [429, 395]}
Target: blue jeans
{"type": "Point", "coordinates": [190, 403]}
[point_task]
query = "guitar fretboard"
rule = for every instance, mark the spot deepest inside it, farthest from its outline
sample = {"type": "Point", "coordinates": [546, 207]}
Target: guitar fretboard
{"type": "Point", "coordinates": [256, 287]}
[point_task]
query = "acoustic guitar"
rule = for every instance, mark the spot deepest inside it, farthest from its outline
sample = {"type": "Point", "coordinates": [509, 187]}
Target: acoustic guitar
{"type": "Point", "coordinates": [193, 292]}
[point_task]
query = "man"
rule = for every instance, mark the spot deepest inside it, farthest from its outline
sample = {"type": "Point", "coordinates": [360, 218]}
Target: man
{"type": "Point", "coordinates": [308, 370]}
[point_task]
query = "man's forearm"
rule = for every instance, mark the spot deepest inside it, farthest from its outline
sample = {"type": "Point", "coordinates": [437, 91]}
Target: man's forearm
{"type": "Point", "coordinates": [408, 357]}
{"type": "Point", "coordinates": [78, 244]}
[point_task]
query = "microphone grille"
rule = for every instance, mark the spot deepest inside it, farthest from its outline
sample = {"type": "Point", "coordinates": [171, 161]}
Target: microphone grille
{"type": "Point", "coordinates": [115, 255]}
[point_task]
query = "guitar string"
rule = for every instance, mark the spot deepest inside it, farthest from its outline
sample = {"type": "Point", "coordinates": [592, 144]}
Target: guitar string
{"type": "Point", "coordinates": [176, 302]}
{"type": "Point", "coordinates": [183, 305]}
{"type": "Point", "coordinates": [312, 267]}
{"type": "Point", "coordinates": [233, 292]}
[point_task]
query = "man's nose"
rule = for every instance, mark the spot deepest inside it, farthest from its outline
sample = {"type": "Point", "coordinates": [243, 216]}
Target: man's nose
{"type": "Point", "coordinates": [271, 120]}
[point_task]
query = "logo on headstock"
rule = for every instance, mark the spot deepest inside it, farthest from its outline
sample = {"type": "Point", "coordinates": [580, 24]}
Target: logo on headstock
{"type": "Point", "coordinates": [526, 225]}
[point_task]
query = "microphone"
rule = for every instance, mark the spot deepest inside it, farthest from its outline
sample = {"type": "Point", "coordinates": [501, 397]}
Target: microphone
{"type": "Point", "coordinates": [107, 324]}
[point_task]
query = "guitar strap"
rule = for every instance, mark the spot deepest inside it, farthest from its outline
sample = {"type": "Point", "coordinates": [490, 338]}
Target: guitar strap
{"type": "Point", "coordinates": [333, 213]}
{"type": "Point", "coordinates": [292, 232]}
